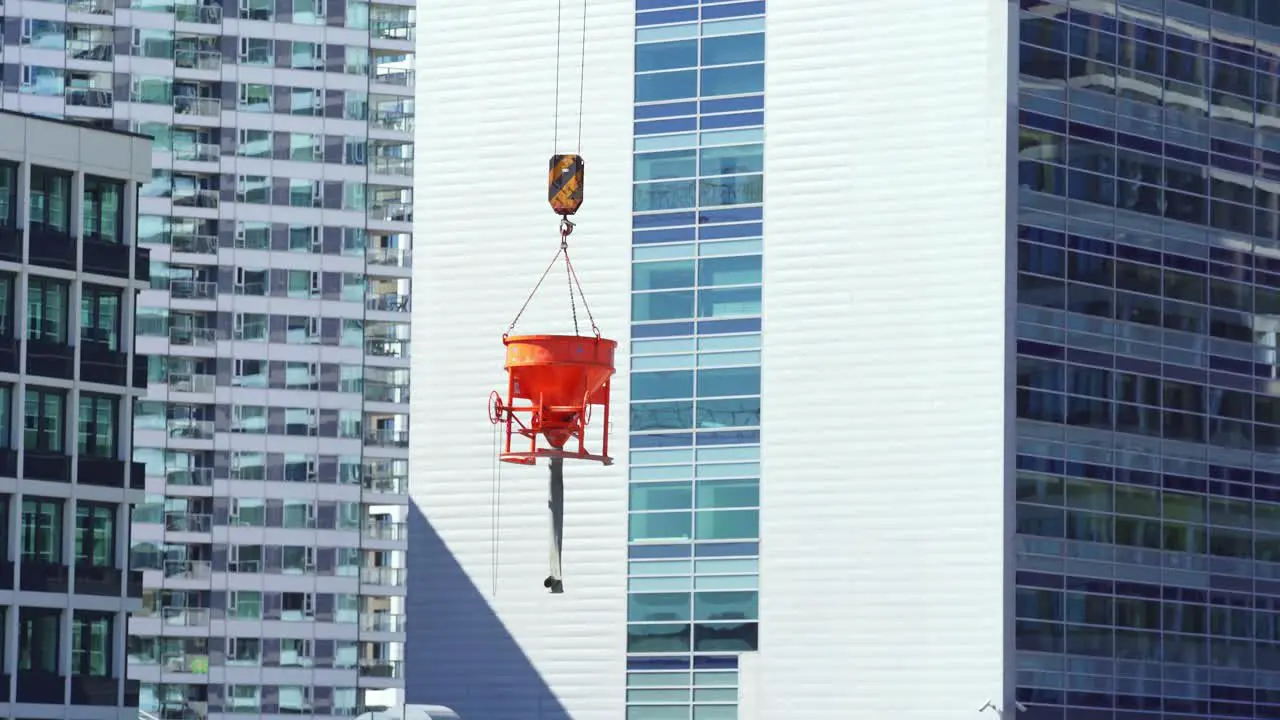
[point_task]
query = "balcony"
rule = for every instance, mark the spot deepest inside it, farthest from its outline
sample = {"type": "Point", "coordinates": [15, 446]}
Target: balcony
{"type": "Point", "coordinates": [140, 372]}
{"type": "Point", "coordinates": [393, 577]}
{"type": "Point", "coordinates": [398, 77]}
{"type": "Point", "coordinates": [385, 669]}
{"type": "Point", "coordinates": [41, 688]}
{"type": "Point", "coordinates": [386, 531]}
{"type": "Point", "coordinates": [203, 14]}
{"type": "Point", "coordinates": [88, 97]}
{"type": "Point", "coordinates": [375, 391]}
{"type": "Point", "coordinates": [193, 290]}
{"type": "Point", "coordinates": [193, 243]}
{"type": "Point", "coordinates": [185, 105]}
{"type": "Point", "coordinates": [133, 583]}
{"type": "Point", "coordinates": [208, 199]}
{"type": "Point", "coordinates": [386, 348]}
{"type": "Point", "coordinates": [92, 7]}
{"type": "Point", "coordinates": [197, 152]}
{"type": "Point", "coordinates": [189, 477]}
{"type": "Point", "coordinates": [386, 437]}
{"type": "Point", "coordinates": [185, 617]}
{"type": "Point", "coordinates": [387, 165]}
{"type": "Point", "coordinates": [106, 258]}
{"type": "Point", "coordinates": [44, 465]}
{"type": "Point", "coordinates": [393, 257]}
{"type": "Point", "coordinates": [37, 576]}
{"type": "Point", "coordinates": [189, 383]}
{"type": "Point", "coordinates": [91, 690]}
{"type": "Point", "coordinates": [194, 59]}
{"type": "Point", "coordinates": [90, 48]}
{"type": "Point", "coordinates": [184, 429]}
{"type": "Point", "coordinates": [99, 581]}
{"type": "Point", "coordinates": [9, 348]}
{"type": "Point", "coordinates": [388, 484]}
{"type": "Point", "coordinates": [382, 622]}
{"type": "Point", "coordinates": [137, 475]}
{"type": "Point", "coordinates": [397, 29]}
{"type": "Point", "coordinates": [8, 462]}
{"type": "Point", "coordinates": [131, 690]}
{"type": "Point", "coordinates": [6, 575]}
{"type": "Point", "coordinates": [188, 522]}
{"type": "Point", "coordinates": [188, 569]}
{"type": "Point", "coordinates": [391, 211]}
{"type": "Point", "coordinates": [394, 120]}
{"type": "Point", "coordinates": [101, 472]}
{"type": "Point", "coordinates": [192, 336]}
{"type": "Point", "coordinates": [51, 246]}
{"type": "Point", "coordinates": [387, 302]}
{"type": "Point", "coordinates": [100, 364]}
{"type": "Point", "coordinates": [142, 264]}
{"type": "Point", "coordinates": [51, 359]}
{"type": "Point", "coordinates": [10, 244]}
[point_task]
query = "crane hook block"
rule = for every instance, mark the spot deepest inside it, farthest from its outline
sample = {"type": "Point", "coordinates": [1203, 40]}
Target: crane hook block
{"type": "Point", "coordinates": [564, 184]}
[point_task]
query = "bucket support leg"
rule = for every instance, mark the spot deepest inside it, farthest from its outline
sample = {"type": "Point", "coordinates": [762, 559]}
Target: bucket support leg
{"type": "Point", "coordinates": [555, 503]}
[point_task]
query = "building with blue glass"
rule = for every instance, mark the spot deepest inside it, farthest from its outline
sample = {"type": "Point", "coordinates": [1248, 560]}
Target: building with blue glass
{"type": "Point", "coordinates": [952, 377]}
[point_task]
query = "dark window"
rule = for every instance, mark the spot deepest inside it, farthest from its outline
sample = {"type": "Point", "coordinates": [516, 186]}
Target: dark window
{"type": "Point", "coordinates": [50, 200]}
{"type": "Point", "coordinates": [8, 194]}
{"type": "Point", "coordinates": [6, 305]}
{"type": "Point", "coordinates": [100, 315]}
{"type": "Point", "coordinates": [103, 209]}
{"type": "Point", "coordinates": [92, 643]}
{"type": "Point", "coordinates": [38, 640]}
{"type": "Point", "coordinates": [6, 419]}
{"type": "Point", "coordinates": [98, 421]}
{"type": "Point", "coordinates": [41, 530]}
{"type": "Point", "coordinates": [47, 309]}
{"type": "Point", "coordinates": [95, 535]}
{"type": "Point", "coordinates": [44, 410]}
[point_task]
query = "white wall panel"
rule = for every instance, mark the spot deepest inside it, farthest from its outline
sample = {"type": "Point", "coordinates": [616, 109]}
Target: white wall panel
{"type": "Point", "coordinates": [885, 454]}
{"type": "Point", "coordinates": [484, 234]}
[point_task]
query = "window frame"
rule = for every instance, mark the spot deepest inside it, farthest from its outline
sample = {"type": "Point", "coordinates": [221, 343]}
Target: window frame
{"type": "Point", "coordinates": [33, 621]}
{"type": "Point", "coordinates": [43, 284]}
{"type": "Point", "coordinates": [88, 433]}
{"type": "Point", "coordinates": [82, 652]}
{"type": "Point", "coordinates": [8, 287]}
{"type": "Point", "coordinates": [89, 549]}
{"type": "Point", "coordinates": [43, 183]}
{"type": "Point", "coordinates": [41, 507]}
{"type": "Point", "coordinates": [96, 191]}
{"type": "Point", "coordinates": [9, 195]}
{"type": "Point", "coordinates": [92, 299]}
{"type": "Point", "coordinates": [42, 437]}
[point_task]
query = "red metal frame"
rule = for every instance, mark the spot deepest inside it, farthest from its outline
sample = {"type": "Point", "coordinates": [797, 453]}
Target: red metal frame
{"type": "Point", "coordinates": [509, 414]}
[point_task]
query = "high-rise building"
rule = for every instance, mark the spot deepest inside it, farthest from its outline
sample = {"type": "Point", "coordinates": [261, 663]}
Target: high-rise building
{"type": "Point", "coordinates": [1000, 431]}
{"type": "Point", "coordinates": [275, 427]}
{"type": "Point", "coordinates": [69, 274]}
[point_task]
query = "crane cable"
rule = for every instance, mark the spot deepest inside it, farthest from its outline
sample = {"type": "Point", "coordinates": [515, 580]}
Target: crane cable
{"type": "Point", "coordinates": [566, 227]}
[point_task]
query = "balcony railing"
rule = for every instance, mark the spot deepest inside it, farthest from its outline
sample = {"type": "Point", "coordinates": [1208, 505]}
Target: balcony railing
{"type": "Point", "coordinates": [391, 211]}
{"type": "Point", "coordinates": [190, 429]}
{"type": "Point", "coordinates": [401, 77]}
{"type": "Point", "coordinates": [189, 477]}
{"type": "Point", "coordinates": [192, 383]}
{"type": "Point", "coordinates": [207, 14]}
{"type": "Point", "coordinates": [93, 7]}
{"type": "Point", "coordinates": [373, 668]}
{"type": "Point", "coordinates": [387, 438]}
{"type": "Point", "coordinates": [188, 522]}
{"type": "Point", "coordinates": [185, 617]}
{"type": "Point", "coordinates": [391, 29]}
{"type": "Point", "coordinates": [375, 391]}
{"type": "Point", "coordinates": [198, 198]}
{"type": "Point", "coordinates": [90, 49]}
{"type": "Point", "coordinates": [386, 531]}
{"type": "Point", "coordinates": [394, 257]}
{"type": "Point", "coordinates": [389, 484]}
{"type": "Point", "coordinates": [193, 289]}
{"type": "Point", "coordinates": [191, 243]}
{"type": "Point", "coordinates": [387, 165]}
{"type": "Point", "coordinates": [206, 107]}
{"type": "Point", "coordinates": [387, 302]}
{"type": "Point", "coordinates": [382, 622]}
{"type": "Point", "coordinates": [386, 347]}
{"type": "Point", "coordinates": [393, 577]}
{"type": "Point", "coordinates": [188, 569]}
{"type": "Point", "coordinates": [88, 97]}
{"type": "Point", "coordinates": [192, 336]}
{"type": "Point", "coordinates": [193, 59]}
{"type": "Point", "coordinates": [197, 152]}
{"type": "Point", "coordinates": [397, 120]}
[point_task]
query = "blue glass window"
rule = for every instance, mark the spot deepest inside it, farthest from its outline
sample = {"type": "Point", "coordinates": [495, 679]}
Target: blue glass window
{"type": "Point", "coordinates": [667, 56]}
{"type": "Point", "coordinates": [729, 302]}
{"type": "Point", "coordinates": [666, 165]}
{"type": "Point", "coordinates": [667, 384]}
{"type": "Point", "coordinates": [661, 526]}
{"type": "Point", "coordinates": [733, 49]}
{"type": "Point", "coordinates": [733, 160]}
{"type": "Point", "coordinates": [734, 412]}
{"type": "Point", "coordinates": [738, 493]}
{"type": "Point", "coordinates": [728, 381]}
{"type": "Point", "coordinates": [650, 416]}
{"type": "Point", "coordinates": [661, 496]}
{"type": "Point", "coordinates": [735, 80]}
{"type": "Point", "coordinates": [731, 190]}
{"type": "Point", "coordinates": [727, 524]}
{"type": "Point", "coordinates": [726, 605]}
{"type": "Point", "coordinates": [656, 87]}
{"type": "Point", "coordinates": [738, 270]}
{"type": "Point", "coordinates": [650, 197]}
{"type": "Point", "coordinates": [662, 275]}
{"type": "Point", "coordinates": [662, 306]}
{"type": "Point", "coordinates": [664, 607]}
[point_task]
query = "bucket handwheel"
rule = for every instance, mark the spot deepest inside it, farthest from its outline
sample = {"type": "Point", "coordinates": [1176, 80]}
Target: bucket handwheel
{"type": "Point", "coordinates": [497, 410]}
